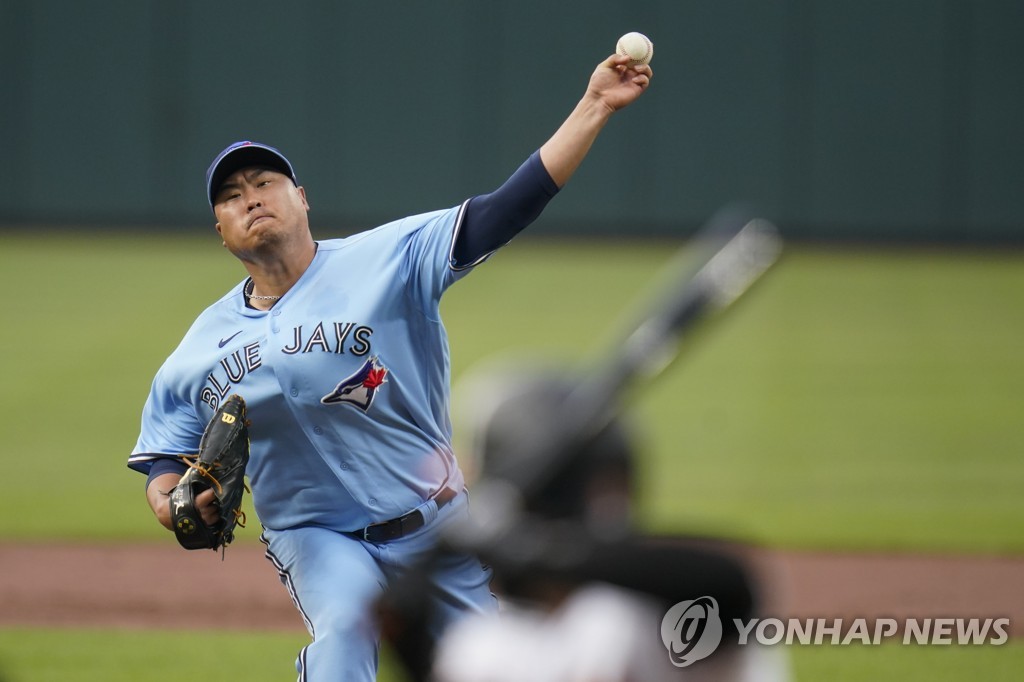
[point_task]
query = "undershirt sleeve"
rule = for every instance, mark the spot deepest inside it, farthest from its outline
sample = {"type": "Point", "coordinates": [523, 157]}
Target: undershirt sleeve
{"type": "Point", "coordinates": [165, 465]}
{"type": "Point", "coordinates": [492, 220]}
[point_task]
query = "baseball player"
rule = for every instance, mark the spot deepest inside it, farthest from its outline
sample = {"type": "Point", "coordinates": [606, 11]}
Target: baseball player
{"type": "Point", "coordinates": [338, 349]}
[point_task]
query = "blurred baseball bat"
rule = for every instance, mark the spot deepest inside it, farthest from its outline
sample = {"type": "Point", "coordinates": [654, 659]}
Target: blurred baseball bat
{"type": "Point", "coordinates": [733, 251]}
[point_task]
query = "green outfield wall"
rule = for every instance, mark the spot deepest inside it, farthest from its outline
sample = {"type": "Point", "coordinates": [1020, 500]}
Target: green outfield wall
{"type": "Point", "coordinates": [845, 119]}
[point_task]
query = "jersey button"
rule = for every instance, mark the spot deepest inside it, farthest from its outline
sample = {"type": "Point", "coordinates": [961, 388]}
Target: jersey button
{"type": "Point", "coordinates": [318, 430]}
{"type": "Point", "coordinates": [372, 502]}
{"type": "Point", "coordinates": [344, 466]}
{"type": "Point", "coordinates": [294, 392]}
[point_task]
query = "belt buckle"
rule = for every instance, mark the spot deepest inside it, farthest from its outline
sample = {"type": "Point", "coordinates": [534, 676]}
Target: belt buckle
{"type": "Point", "coordinates": [366, 530]}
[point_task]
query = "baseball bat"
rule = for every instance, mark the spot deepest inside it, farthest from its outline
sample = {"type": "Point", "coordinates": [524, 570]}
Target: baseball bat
{"type": "Point", "coordinates": [733, 250]}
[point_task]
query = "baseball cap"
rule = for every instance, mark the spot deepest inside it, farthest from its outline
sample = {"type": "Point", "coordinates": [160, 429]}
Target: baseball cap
{"type": "Point", "coordinates": [240, 155]}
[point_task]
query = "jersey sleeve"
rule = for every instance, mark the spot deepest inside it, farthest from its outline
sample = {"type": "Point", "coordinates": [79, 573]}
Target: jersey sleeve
{"type": "Point", "coordinates": [426, 244]}
{"type": "Point", "coordinates": [442, 247]}
{"type": "Point", "coordinates": [170, 428]}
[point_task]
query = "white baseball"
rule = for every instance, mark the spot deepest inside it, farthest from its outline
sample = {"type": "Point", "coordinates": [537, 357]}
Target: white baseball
{"type": "Point", "coordinates": [637, 47]}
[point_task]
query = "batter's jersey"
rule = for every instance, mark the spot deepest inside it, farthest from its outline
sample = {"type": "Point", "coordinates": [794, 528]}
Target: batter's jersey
{"type": "Point", "coordinates": [346, 378]}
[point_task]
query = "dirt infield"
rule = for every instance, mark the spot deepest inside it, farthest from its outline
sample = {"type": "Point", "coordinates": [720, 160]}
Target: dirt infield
{"type": "Point", "coordinates": [139, 587]}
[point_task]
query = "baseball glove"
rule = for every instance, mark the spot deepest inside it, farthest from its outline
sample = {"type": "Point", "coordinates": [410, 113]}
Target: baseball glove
{"type": "Point", "coordinates": [220, 464]}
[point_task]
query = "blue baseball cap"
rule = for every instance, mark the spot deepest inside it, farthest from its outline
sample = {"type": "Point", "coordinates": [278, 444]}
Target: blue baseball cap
{"type": "Point", "coordinates": [241, 155]}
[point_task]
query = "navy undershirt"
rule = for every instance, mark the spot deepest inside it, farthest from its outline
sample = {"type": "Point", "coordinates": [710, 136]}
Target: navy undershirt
{"type": "Point", "coordinates": [165, 465]}
{"type": "Point", "coordinates": [491, 221]}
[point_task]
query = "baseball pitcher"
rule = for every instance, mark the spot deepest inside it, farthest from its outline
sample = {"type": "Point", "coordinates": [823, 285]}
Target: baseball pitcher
{"type": "Point", "coordinates": [337, 351]}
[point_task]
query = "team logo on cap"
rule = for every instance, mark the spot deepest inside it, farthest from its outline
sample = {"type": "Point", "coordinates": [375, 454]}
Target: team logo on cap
{"type": "Point", "coordinates": [359, 388]}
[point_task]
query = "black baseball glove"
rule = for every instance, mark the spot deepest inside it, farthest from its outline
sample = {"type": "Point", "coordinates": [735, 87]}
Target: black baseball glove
{"type": "Point", "coordinates": [220, 464]}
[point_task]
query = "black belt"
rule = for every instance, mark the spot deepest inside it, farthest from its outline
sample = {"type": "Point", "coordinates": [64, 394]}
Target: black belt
{"type": "Point", "coordinates": [403, 525]}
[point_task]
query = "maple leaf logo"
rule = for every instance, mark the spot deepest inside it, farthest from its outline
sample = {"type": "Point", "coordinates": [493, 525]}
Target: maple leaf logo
{"type": "Point", "coordinates": [360, 388]}
{"type": "Point", "coordinates": [376, 377]}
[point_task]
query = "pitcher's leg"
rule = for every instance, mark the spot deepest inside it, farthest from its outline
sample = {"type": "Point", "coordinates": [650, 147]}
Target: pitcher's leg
{"type": "Point", "coordinates": [460, 584]}
{"type": "Point", "coordinates": [333, 582]}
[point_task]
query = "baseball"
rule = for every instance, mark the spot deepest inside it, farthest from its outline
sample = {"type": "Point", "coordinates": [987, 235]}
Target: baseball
{"type": "Point", "coordinates": [637, 47]}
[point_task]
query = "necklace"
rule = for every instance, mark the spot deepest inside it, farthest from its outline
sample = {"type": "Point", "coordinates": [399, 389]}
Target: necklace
{"type": "Point", "coordinates": [247, 292]}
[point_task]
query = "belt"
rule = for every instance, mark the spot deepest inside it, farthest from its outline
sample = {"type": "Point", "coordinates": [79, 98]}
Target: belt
{"type": "Point", "coordinates": [403, 525]}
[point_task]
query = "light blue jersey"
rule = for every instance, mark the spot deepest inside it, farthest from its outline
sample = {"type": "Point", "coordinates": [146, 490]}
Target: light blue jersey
{"type": "Point", "coordinates": [346, 379]}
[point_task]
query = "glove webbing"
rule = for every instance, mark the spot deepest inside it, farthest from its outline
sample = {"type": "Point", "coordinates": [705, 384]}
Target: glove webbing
{"type": "Point", "coordinates": [204, 471]}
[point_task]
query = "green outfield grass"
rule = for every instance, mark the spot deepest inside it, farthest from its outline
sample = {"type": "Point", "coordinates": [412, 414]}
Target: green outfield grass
{"type": "Point", "coordinates": [855, 399]}
{"type": "Point", "coordinates": [122, 656]}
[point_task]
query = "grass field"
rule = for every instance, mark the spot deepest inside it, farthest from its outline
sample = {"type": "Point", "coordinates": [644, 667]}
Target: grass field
{"type": "Point", "coordinates": [857, 399]}
{"type": "Point", "coordinates": [125, 656]}
{"type": "Point", "coordinates": [122, 656]}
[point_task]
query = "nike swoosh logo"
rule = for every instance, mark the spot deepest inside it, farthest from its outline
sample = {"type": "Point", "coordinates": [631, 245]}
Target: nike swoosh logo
{"type": "Point", "coordinates": [224, 342]}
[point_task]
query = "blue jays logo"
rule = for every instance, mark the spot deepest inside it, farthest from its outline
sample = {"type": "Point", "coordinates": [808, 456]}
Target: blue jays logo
{"type": "Point", "coordinates": [360, 388]}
